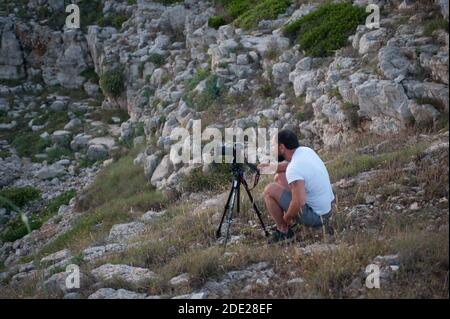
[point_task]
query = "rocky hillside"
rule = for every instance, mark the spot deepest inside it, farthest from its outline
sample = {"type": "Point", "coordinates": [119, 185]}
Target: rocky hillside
{"type": "Point", "coordinates": [85, 122]}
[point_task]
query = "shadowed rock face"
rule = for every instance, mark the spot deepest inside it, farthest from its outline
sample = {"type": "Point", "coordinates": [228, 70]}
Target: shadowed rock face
{"type": "Point", "coordinates": [11, 56]}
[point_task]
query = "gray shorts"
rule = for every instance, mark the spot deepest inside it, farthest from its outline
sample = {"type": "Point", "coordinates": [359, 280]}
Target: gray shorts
{"type": "Point", "coordinates": [307, 216]}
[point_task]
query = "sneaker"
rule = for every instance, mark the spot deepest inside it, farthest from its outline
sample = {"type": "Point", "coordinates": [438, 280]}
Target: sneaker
{"type": "Point", "coordinates": [279, 237]}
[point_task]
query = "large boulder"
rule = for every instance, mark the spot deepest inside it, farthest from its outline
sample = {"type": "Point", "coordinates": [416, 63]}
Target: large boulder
{"type": "Point", "coordinates": [394, 62]}
{"type": "Point", "coordinates": [109, 293]}
{"type": "Point", "coordinates": [11, 54]}
{"type": "Point", "coordinates": [280, 73]}
{"type": "Point", "coordinates": [372, 41]}
{"type": "Point", "coordinates": [437, 64]}
{"type": "Point", "coordinates": [150, 164]}
{"type": "Point", "coordinates": [383, 98]}
{"type": "Point", "coordinates": [124, 273]}
{"type": "Point", "coordinates": [436, 92]}
{"type": "Point", "coordinates": [65, 58]}
{"type": "Point", "coordinates": [424, 114]}
{"type": "Point", "coordinates": [50, 172]}
{"type": "Point", "coordinates": [174, 18]}
{"type": "Point", "coordinates": [61, 137]}
{"type": "Point", "coordinates": [444, 8]}
{"type": "Point", "coordinates": [80, 142]}
{"type": "Point", "coordinates": [97, 152]}
{"type": "Point", "coordinates": [164, 169]}
{"type": "Point", "coordinates": [122, 233]}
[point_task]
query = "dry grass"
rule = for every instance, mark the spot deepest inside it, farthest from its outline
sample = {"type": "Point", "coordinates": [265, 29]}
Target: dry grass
{"type": "Point", "coordinates": [182, 241]}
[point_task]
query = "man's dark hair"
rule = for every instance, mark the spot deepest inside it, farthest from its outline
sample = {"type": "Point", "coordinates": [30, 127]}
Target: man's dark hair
{"type": "Point", "coordinates": [288, 139]}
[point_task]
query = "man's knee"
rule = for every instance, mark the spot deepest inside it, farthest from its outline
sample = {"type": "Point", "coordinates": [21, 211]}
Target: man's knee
{"type": "Point", "coordinates": [269, 190]}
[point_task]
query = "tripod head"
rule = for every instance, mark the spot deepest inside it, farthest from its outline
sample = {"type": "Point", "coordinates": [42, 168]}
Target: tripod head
{"type": "Point", "coordinates": [238, 168]}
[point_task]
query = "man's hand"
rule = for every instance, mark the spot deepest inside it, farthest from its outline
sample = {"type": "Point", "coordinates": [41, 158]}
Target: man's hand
{"type": "Point", "coordinates": [272, 168]}
{"type": "Point", "coordinates": [289, 220]}
{"type": "Point", "coordinates": [298, 201]}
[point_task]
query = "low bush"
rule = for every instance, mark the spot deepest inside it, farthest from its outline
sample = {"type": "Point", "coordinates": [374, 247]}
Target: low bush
{"type": "Point", "coordinates": [323, 31]}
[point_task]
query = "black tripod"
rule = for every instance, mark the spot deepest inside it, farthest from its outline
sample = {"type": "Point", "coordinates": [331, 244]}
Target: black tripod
{"type": "Point", "coordinates": [234, 200]}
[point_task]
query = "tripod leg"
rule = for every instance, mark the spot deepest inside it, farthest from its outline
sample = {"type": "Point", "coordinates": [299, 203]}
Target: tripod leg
{"type": "Point", "coordinates": [238, 199]}
{"type": "Point", "coordinates": [227, 205]}
{"type": "Point", "coordinates": [230, 211]}
{"type": "Point", "coordinates": [258, 213]}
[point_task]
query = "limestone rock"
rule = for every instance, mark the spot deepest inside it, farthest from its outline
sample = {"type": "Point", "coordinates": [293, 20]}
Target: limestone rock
{"type": "Point", "coordinates": [109, 293]}
{"type": "Point", "coordinates": [125, 273]}
{"type": "Point", "coordinates": [121, 233]}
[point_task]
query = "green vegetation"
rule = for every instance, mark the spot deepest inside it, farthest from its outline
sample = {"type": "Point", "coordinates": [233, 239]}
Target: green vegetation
{"type": "Point", "coordinates": [112, 82]}
{"type": "Point", "coordinates": [29, 144]}
{"type": "Point", "coordinates": [76, 94]}
{"type": "Point", "coordinates": [216, 22]}
{"type": "Point", "coordinates": [157, 59]}
{"type": "Point", "coordinates": [10, 82]}
{"type": "Point", "coordinates": [148, 92]}
{"type": "Point", "coordinates": [436, 24]}
{"type": "Point", "coordinates": [63, 199]}
{"type": "Point", "coordinates": [4, 118]}
{"type": "Point", "coordinates": [326, 29]}
{"type": "Point", "coordinates": [116, 194]}
{"type": "Point", "coordinates": [19, 196]}
{"type": "Point", "coordinates": [351, 112]}
{"type": "Point", "coordinates": [218, 176]}
{"type": "Point", "coordinates": [350, 165]}
{"type": "Point", "coordinates": [115, 21]}
{"type": "Point", "coordinates": [16, 229]}
{"type": "Point", "coordinates": [266, 10]}
{"type": "Point", "coordinates": [54, 154]}
{"type": "Point", "coordinates": [248, 13]}
{"type": "Point", "coordinates": [90, 74]}
{"type": "Point", "coordinates": [209, 96]}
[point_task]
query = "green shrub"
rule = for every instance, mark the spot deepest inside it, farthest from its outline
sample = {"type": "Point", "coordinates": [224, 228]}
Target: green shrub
{"type": "Point", "coordinates": [199, 76]}
{"type": "Point", "coordinates": [212, 88]}
{"type": "Point", "coordinates": [326, 29]}
{"type": "Point", "coordinates": [266, 10]}
{"type": "Point", "coordinates": [351, 113]}
{"type": "Point", "coordinates": [56, 153]}
{"type": "Point", "coordinates": [157, 59]}
{"type": "Point", "coordinates": [16, 229]}
{"type": "Point", "coordinates": [216, 22]}
{"type": "Point", "coordinates": [115, 21]}
{"type": "Point", "coordinates": [248, 13]}
{"type": "Point", "coordinates": [90, 74]}
{"type": "Point", "coordinates": [54, 205]}
{"type": "Point", "coordinates": [112, 82]}
{"type": "Point", "coordinates": [148, 93]}
{"type": "Point", "coordinates": [43, 13]}
{"type": "Point", "coordinates": [237, 7]}
{"type": "Point", "coordinates": [28, 144]}
{"type": "Point", "coordinates": [19, 196]}
{"type": "Point", "coordinates": [435, 24]}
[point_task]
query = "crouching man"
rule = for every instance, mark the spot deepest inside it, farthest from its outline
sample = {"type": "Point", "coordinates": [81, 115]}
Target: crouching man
{"type": "Point", "coordinates": [302, 192]}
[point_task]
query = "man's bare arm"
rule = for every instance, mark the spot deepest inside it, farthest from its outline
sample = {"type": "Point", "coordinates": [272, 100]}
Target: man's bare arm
{"type": "Point", "coordinates": [298, 201]}
{"type": "Point", "coordinates": [277, 168]}
{"type": "Point", "coordinates": [281, 168]}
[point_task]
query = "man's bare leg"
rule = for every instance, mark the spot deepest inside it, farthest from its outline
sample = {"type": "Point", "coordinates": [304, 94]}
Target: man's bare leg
{"type": "Point", "coordinates": [272, 195]}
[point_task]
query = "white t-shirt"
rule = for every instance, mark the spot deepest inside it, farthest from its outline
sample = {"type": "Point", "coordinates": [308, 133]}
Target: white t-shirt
{"type": "Point", "coordinates": [306, 165]}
